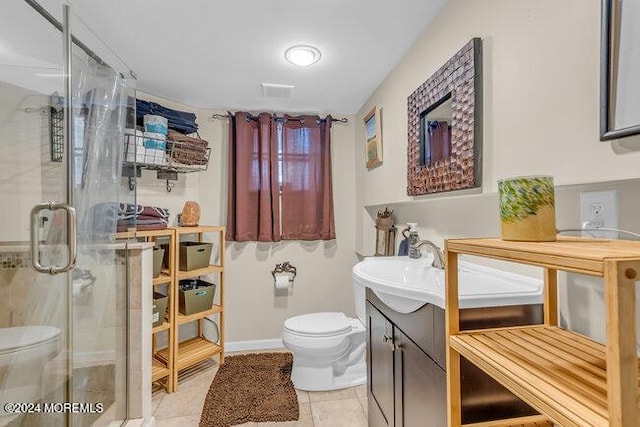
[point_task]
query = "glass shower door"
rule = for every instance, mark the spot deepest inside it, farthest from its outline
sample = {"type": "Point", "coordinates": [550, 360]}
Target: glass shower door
{"type": "Point", "coordinates": [34, 308]}
{"type": "Point", "coordinates": [63, 334]}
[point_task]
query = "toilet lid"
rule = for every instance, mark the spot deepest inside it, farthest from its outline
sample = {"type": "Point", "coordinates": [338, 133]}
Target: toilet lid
{"type": "Point", "coordinates": [319, 324]}
{"type": "Point", "coordinates": [26, 336]}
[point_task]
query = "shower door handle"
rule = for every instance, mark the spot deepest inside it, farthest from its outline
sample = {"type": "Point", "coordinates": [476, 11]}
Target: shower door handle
{"type": "Point", "coordinates": [71, 238]}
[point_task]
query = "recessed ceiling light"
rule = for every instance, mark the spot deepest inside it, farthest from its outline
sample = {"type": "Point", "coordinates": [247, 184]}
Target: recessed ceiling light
{"type": "Point", "coordinates": [302, 55]}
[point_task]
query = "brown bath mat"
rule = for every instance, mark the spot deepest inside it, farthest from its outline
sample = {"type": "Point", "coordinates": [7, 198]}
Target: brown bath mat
{"type": "Point", "coordinates": [251, 388]}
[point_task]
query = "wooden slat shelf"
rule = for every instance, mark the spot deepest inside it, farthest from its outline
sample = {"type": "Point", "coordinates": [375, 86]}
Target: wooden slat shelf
{"type": "Point", "coordinates": [530, 421]}
{"type": "Point", "coordinates": [158, 370]}
{"type": "Point", "coordinates": [569, 378]}
{"type": "Point", "coordinates": [558, 372]}
{"type": "Point", "coordinates": [144, 233]}
{"type": "Point", "coordinates": [580, 255]}
{"type": "Point", "coordinates": [199, 229]}
{"type": "Point", "coordinates": [192, 351]}
{"type": "Point", "coordinates": [182, 275]}
{"type": "Point", "coordinates": [163, 279]}
{"type": "Point", "coordinates": [182, 319]}
{"type": "Point", "coordinates": [165, 326]}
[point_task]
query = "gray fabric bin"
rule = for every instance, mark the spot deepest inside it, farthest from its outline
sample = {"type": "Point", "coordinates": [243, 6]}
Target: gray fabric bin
{"type": "Point", "coordinates": [197, 299]}
{"type": "Point", "coordinates": [160, 303]}
{"type": "Point", "coordinates": [158, 256]}
{"type": "Point", "coordinates": [194, 255]}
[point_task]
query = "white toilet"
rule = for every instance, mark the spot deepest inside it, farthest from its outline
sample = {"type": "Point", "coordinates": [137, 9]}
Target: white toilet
{"type": "Point", "coordinates": [328, 348]}
{"type": "Point", "coordinates": [24, 350]}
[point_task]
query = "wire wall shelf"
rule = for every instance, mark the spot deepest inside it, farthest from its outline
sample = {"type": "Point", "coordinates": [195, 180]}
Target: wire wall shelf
{"type": "Point", "coordinates": [56, 128]}
{"type": "Point", "coordinates": [167, 157]}
{"type": "Point", "coordinates": [156, 154]}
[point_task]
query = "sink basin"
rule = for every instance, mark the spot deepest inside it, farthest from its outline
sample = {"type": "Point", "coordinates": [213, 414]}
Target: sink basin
{"type": "Point", "coordinates": [406, 284]}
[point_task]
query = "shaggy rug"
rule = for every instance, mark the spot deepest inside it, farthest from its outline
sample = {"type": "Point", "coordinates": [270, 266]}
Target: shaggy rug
{"type": "Point", "coordinates": [251, 388]}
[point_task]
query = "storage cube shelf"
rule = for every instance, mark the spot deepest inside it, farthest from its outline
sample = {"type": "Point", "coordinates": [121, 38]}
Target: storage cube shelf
{"type": "Point", "coordinates": [167, 362]}
{"type": "Point", "coordinates": [569, 378]}
{"type": "Point", "coordinates": [197, 349]}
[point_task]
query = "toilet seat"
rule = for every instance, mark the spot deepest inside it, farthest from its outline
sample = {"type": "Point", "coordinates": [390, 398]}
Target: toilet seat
{"type": "Point", "coordinates": [327, 324]}
{"type": "Point", "coordinates": [22, 338]}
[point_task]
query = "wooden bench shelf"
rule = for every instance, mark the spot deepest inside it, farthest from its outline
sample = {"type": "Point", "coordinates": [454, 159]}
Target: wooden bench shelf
{"type": "Point", "coordinates": [164, 327]}
{"type": "Point", "coordinates": [569, 378]}
{"type": "Point", "coordinates": [182, 275]}
{"type": "Point", "coordinates": [182, 319]}
{"type": "Point", "coordinates": [193, 351]}
{"type": "Point", "coordinates": [158, 370]}
{"type": "Point", "coordinates": [163, 279]}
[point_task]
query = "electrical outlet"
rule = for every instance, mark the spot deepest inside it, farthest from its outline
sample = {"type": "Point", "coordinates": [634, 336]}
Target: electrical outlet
{"type": "Point", "coordinates": [599, 209]}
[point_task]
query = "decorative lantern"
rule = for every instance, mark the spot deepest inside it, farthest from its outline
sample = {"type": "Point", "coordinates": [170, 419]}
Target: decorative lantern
{"type": "Point", "coordinates": [385, 233]}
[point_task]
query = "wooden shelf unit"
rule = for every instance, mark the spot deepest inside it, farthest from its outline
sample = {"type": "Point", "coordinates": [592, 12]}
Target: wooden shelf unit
{"type": "Point", "coordinates": [569, 378]}
{"type": "Point", "coordinates": [197, 349]}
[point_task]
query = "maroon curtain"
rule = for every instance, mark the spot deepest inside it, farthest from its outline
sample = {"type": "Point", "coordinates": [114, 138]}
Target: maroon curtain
{"type": "Point", "coordinates": [307, 194]}
{"type": "Point", "coordinates": [253, 212]}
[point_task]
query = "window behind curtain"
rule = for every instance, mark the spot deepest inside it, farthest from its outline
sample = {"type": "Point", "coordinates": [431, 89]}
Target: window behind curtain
{"type": "Point", "coordinates": [306, 189]}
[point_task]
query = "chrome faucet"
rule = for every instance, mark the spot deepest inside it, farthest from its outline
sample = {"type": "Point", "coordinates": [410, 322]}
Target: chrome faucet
{"type": "Point", "coordinates": [438, 256]}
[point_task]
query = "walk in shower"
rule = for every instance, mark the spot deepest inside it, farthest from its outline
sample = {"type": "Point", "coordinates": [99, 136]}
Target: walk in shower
{"type": "Point", "coordinates": [64, 103]}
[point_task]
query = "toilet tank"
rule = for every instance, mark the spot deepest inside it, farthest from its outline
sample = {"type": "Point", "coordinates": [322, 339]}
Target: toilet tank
{"type": "Point", "coordinates": [360, 300]}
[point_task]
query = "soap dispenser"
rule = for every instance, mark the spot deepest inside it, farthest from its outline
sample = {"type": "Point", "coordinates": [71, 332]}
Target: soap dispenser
{"type": "Point", "coordinates": [413, 240]}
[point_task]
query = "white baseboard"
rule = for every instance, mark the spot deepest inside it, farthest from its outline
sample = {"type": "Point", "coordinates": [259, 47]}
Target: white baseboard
{"type": "Point", "coordinates": [253, 345]}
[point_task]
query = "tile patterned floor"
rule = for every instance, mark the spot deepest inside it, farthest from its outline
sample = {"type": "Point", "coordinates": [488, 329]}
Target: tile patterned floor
{"type": "Point", "coordinates": [341, 408]}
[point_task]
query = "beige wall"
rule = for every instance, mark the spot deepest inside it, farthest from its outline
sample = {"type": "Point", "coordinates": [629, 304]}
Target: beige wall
{"type": "Point", "coordinates": [541, 103]}
{"type": "Point", "coordinates": [541, 98]}
{"type": "Point", "coordinates": [253, 311]}
{"type": "Point", "coordinates": [323, 283]}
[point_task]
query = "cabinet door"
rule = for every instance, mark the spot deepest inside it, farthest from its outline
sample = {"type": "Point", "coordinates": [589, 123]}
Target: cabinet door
{"type": "Point", "coordinates": [420, 386]}
{"type": "Point", "coordinates": [380, 366]}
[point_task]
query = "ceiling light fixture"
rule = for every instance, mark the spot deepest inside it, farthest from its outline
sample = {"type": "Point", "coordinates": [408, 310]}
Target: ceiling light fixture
{"type": "Point", "coordinates": [302, 55]}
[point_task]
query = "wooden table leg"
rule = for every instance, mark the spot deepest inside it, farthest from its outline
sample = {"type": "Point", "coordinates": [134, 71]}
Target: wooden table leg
{"type": "Point", "coordinates": [454, 405]}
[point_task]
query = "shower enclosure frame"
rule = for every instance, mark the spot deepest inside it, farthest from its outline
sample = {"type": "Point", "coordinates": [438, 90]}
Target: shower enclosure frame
{"type": "Point", "coordinates": [71, 230]}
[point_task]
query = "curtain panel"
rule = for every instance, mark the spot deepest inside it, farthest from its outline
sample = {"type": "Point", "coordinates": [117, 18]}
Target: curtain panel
{"type": "Point", "coordinates": [279, 177]}
{"type": "Point", "coordinates": [253, 210]}
{"type": "Point", "coordinates": [307, 192]}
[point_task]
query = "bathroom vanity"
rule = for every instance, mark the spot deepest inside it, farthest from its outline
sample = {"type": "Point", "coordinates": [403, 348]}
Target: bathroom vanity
{"type": "Point", "coordinates": [406, 365]}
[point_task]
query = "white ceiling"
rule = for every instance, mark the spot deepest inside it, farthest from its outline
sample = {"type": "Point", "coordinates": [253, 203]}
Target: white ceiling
{"type": "Point", "coordinates": [215, 54]}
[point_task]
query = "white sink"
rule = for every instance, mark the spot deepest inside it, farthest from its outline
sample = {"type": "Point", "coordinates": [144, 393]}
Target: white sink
{"type": "Point", "coordinates": [406, 284]}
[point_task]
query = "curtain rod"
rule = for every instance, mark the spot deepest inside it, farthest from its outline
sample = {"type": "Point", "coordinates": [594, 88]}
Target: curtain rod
{"type": "Point", "coordinates": [229, 115]}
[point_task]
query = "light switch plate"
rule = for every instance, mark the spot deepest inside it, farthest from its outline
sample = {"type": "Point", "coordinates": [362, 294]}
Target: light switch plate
{"type": "Point", "coordinates": [599, 209]}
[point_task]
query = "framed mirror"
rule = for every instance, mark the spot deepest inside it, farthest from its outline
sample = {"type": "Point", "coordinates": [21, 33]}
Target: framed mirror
{"type": "Point", "coordinates": [620, 69]}
{"type": "Point", "coordinates": [444, 151]}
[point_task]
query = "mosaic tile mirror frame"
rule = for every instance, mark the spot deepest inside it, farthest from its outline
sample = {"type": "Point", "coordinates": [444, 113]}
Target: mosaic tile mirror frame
{"type": "Point", "coordinates": [459, 79]}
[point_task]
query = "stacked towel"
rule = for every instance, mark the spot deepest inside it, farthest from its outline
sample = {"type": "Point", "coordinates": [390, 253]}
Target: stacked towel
{"type": "Point", "coordinates": [187, 150]}
{"type": "Point", "coordinates": [180, 121]}
{"type": "Point", "coordinates": [142, 217]}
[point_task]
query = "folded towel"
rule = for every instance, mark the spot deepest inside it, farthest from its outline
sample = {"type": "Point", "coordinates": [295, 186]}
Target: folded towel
{"type": "Point", "coordinates": [142, 221]}
{"type": "Point", "coordinates": [181, 121]}
{"type": "Point", "coordinates": [129, 211]}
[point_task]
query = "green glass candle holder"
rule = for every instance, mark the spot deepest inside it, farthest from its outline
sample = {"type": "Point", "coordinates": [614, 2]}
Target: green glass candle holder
{"type": "Point", "coordinates": [527, 209]}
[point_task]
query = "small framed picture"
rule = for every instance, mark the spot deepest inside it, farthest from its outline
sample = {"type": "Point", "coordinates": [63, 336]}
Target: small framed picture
{"type": "Point", "coordinates": [373, 132]}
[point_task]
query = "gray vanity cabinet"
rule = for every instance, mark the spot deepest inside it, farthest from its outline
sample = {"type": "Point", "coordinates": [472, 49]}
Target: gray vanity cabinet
{"type": "Point", "coordinates": [406, 366]}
